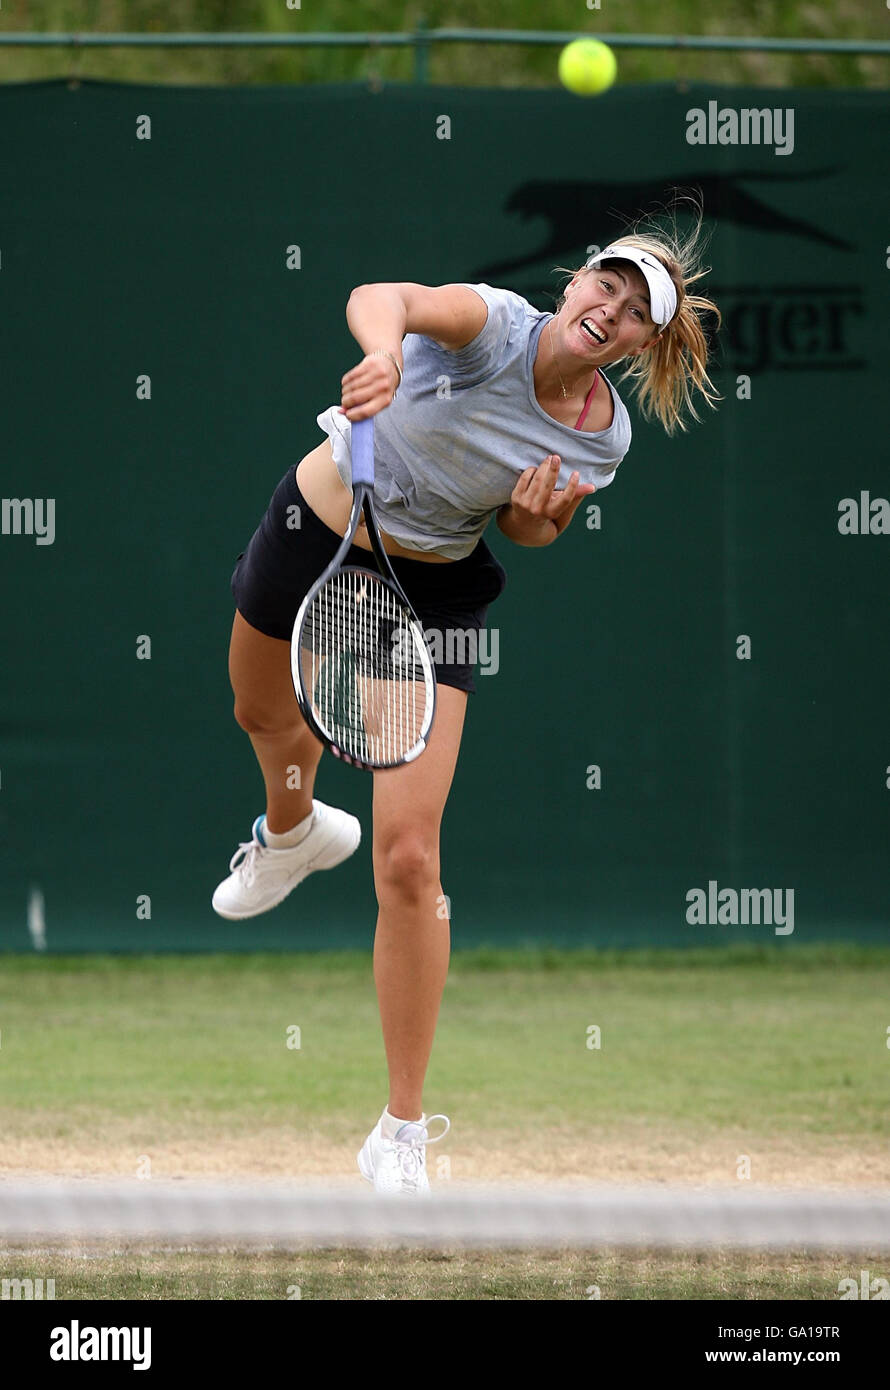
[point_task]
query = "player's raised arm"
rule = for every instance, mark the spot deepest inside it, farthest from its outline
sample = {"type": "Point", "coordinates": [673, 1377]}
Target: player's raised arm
{"type": "Point", "coordinates": [379, 316]}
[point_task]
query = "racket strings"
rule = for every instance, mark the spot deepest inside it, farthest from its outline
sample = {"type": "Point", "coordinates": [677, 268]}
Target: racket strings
{"type": "Point", "coordinates": [366, 669]}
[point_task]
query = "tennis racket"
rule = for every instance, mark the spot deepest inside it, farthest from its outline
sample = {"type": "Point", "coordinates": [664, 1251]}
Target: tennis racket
{"type": "Point", "coordinates": [362, 672]}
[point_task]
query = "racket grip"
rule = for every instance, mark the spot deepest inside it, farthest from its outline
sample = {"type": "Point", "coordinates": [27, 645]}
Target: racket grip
{"type": "Point", "coordinates": [362, 450]}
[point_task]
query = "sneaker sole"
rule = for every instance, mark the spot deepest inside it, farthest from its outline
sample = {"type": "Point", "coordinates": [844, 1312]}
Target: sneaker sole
{"type": "Point", "coordinates": [320, 862]}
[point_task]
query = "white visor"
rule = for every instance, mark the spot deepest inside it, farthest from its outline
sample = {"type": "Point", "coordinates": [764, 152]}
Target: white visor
{"type": "Point", "coordinates": [662, 291]}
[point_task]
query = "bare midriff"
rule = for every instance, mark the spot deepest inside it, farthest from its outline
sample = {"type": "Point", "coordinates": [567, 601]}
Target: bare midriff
{"type": "Point", "coordinates": [331, 501]}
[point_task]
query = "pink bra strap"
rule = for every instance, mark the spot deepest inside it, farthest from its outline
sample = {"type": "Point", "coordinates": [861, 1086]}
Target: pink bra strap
{"type": "Point", "coordinates": [583, 415]}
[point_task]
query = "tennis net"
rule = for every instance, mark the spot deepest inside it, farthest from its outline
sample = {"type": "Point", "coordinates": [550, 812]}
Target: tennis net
{"type": "Point", "coordinates": [285, 1215]}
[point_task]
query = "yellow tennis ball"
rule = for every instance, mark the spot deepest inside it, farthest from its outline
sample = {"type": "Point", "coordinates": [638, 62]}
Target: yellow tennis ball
{"type": "Point", "coordinates": [587, 67]}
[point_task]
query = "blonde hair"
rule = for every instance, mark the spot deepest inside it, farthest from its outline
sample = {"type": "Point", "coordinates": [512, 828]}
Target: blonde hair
{"type": "Point", "coordinates": [665, 375]}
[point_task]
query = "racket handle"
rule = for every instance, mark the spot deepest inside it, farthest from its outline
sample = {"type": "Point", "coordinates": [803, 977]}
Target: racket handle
{"type": "Point", "coordinates": [362, 450]}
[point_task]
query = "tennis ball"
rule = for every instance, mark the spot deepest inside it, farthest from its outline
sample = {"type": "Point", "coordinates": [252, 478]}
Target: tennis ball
{"type": "Point", "coordinates": [587, 67]}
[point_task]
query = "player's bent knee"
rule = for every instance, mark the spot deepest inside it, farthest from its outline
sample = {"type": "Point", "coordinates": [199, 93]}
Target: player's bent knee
{"type": "Point", "coordinates": [254, 719]}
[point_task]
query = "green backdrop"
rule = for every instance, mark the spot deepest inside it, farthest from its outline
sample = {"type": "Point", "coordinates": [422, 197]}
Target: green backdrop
{"type": "Point", "coordinates": [122, 256]}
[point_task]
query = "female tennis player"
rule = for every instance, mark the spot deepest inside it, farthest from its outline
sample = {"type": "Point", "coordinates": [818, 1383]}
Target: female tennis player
{"type": "Point", "coordinates": [484, 406]}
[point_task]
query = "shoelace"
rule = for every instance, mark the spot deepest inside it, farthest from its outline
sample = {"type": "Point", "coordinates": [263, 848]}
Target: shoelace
{"type": "Point", "coordinates": [247, 852]}
{"type": "Point", "coordinates": [409, 1152]}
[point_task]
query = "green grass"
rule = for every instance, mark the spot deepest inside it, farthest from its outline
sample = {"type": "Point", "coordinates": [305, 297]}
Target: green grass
{"type": "Point", "coordinates": [776, 1054]}
{"type": "Point", "coordinates": [776, 1042]}
{"type": "Point", "coordinates": [458, 64]}
{"type": "Point", "coordinates": [449, 1275]}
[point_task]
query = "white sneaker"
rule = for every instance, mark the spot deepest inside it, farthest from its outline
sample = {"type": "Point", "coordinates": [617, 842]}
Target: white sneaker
{"type": "Point", "coordinates": [261, 877]}
{"type": "Point", "coordinates": [397, 1167]}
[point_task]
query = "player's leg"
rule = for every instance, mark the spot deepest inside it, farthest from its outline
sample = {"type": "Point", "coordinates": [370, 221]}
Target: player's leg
{"type": "Point", "coordinates": [299, 834]}
{"type": "Point", "coordinates": [412, 942]}
{"type": "Point", "coordinates": [266, 709]}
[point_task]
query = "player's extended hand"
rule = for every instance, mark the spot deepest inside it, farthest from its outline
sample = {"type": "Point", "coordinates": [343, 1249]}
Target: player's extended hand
{"type": "Point", "coordinates": [368, 388]}
{"type": "Point", "coordinates": [538, 503]}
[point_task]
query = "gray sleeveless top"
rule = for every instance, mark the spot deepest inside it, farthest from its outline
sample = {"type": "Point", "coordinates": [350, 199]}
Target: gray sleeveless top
{"type": "Point", "coordinates": [464, 425]}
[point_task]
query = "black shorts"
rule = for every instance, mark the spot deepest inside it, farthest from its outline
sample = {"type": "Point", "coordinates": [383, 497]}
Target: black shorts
{"type": "Point", "coordinates": [272, 577]}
